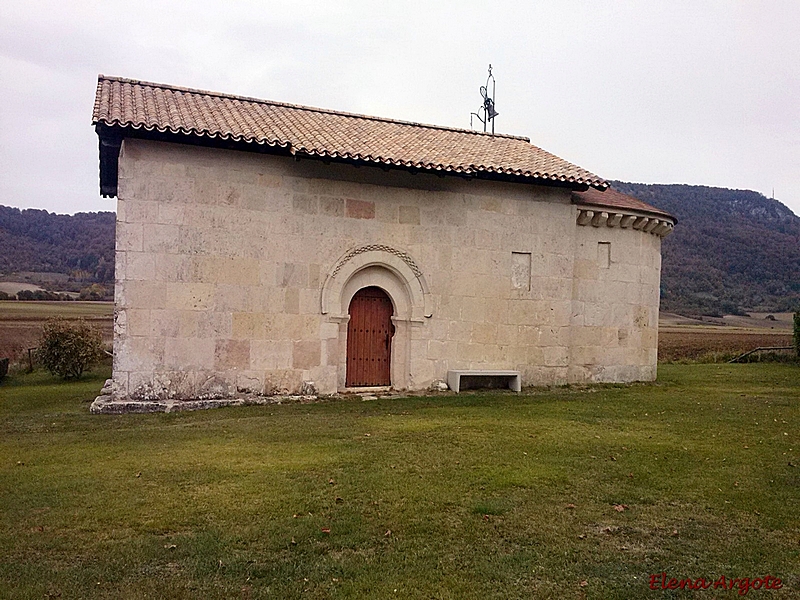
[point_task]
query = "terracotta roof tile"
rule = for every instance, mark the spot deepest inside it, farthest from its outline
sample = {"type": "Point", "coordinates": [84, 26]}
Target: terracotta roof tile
{"type": "Point", "coordinates": [326, 133]}
{"type": "Point", "coordinates": [611, 198]}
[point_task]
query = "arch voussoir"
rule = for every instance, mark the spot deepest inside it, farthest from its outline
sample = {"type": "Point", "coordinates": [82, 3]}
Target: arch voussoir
{"type": "Point", "coordinates": [379, 265]}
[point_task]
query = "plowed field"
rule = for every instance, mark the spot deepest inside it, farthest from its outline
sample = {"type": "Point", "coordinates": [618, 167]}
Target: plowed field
{"type": "Point", "coordinates": [679, 343]}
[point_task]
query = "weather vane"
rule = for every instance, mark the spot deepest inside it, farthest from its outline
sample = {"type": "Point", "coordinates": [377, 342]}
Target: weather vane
{"type": "Point", "coordinates": [487, 110]}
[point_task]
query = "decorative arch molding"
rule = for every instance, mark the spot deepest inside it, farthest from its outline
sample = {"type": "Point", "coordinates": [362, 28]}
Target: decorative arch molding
{"type": "Point", "coordinates": [381, 265]}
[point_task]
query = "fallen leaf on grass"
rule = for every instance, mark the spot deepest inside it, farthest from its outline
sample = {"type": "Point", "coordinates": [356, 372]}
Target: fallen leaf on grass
{"type": "Point", "coordinates": [293, 542]}
{"type": "Point", "coordinates": [339, 500]}
{"type": "Point", "coordinates": [570, 506]}
{"type": "Point", "coordinates": [674, 533]}
{"type": "Point", "coordinates": [332, 482]}
{"type": "Point", "coordinates": [139, 474]}
{"type": "Point", "coordinates": [388, 533]}
{"type": "Point", "coordinates": [326, 530]}
{"type": "Point", "coordinates": [620, 507]}
{"type": "Point", "coordinates": [584, 583]}
{"type": "Point", "coordinates": [170, 546]}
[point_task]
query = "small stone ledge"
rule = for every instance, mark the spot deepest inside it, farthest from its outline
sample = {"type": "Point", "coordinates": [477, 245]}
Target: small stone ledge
{"type": "Point", "coordinates": [661, 227]}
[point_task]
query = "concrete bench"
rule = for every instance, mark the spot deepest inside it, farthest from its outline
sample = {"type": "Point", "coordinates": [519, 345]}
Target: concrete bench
{"type": "Point", "coordinates": [454, 378]}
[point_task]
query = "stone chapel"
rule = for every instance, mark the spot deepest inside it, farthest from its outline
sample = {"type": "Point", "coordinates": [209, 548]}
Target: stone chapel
{"type": "Point", "coordinates": [271, 249]}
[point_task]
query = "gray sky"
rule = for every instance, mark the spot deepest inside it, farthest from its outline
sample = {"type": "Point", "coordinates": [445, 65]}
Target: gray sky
{"type": "Point", "coordinates": [700, 92]}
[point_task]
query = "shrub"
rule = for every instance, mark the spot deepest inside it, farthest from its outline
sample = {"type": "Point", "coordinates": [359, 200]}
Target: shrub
{"type": "Point", "coordinates": [797, 333]}
{"type": "Point", "coordinates": [40, 295]}
{"type": "Point", "coordinates": [93, 292]}
{"type": "Point", "coordinates": [67, 349]}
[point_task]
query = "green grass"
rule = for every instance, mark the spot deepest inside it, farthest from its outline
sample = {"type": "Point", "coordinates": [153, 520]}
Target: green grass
{"type": "Point", "coordinates": [465, 496]}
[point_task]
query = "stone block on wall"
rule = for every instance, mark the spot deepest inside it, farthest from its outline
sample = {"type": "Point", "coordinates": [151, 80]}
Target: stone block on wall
{"type": "Point", "coordinates": [359, 209]}
{"type": "Point", "coordinates": [232, 355]}
{"type": "Point", "coordinates": [189, 354]}
{"type": "Point", "coordinates": [306, 354]}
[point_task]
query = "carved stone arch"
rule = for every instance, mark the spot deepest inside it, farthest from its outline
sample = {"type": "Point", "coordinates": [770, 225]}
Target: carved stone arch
{"type": "Point", "coordinates": [400, 277]}
{"type": "Point", "coordinates": [383, 266]}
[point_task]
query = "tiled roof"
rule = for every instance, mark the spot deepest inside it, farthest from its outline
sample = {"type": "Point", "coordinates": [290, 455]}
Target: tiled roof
{"type": "Point", "coordinates": [152, 107]}
{"type": "Point", "coordinates": [611, 199]}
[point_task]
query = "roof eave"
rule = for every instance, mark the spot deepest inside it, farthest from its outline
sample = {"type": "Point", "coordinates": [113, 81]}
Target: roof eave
{"type": "Point", "coordinates": [110, 142]}
{"type": "Point", "coordinates": [112, 134]}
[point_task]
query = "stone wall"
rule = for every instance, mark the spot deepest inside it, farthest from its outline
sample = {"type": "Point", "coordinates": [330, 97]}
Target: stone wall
{"type": "Point", "coordinates": [615, 305]}
{"type": "Point", "coordinates": [235, 270]}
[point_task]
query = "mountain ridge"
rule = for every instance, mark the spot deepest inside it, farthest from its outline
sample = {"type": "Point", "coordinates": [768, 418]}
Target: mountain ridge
{"type": "Point", "coordinates": [732, 250]}
{"type": "Point", "coordinates": [39, 241]}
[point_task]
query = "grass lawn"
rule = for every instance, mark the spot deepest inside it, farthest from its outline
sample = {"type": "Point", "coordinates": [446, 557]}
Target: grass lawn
{"type": "Point", "coordinates": [484, 495]}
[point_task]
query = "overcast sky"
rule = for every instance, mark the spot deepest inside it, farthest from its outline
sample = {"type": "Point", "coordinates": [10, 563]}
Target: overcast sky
{"type": "Point", "coordinates": [698, 92]}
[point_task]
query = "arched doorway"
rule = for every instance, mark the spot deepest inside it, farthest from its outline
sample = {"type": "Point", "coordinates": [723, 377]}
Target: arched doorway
{"type": "Point", "coordinates": [369, 338]}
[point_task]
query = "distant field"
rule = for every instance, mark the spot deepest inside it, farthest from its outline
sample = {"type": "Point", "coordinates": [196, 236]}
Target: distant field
{"type": "Point", "coordinates": [21, 322]}
{"type": "Point", "coordinates": [682, 338]}
{"type": "Point", "coordinates": [675, 344]}
{"type": "Point", "coordinates": [25, 311]}
{"type": "Point", "coordinates": [12, 287]}
{"type": "Point", "coordinates": [758, 321]}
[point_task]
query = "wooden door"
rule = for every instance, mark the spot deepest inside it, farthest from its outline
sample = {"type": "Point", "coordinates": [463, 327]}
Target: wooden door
{"type": "Point", "coordinates": [369, 339]}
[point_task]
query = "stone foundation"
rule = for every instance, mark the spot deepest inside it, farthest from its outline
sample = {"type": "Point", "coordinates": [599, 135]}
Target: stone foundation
{"type": "Point", "coordinates": [107, 404]}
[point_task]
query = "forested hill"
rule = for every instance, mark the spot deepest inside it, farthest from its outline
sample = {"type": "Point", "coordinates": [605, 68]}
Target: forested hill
{"type": "Point", "coordinates": [36, 240]}
{"type": "Point", "coordinates": [731, 249]}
